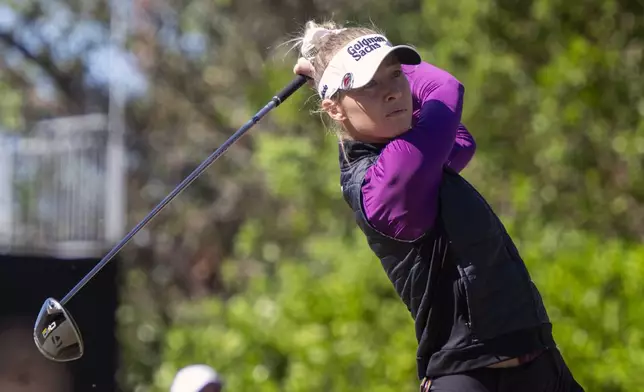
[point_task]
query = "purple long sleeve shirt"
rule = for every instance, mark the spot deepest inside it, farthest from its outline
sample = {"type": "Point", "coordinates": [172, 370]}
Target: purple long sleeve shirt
{"type": "Point", "coordinates": [400, 191]}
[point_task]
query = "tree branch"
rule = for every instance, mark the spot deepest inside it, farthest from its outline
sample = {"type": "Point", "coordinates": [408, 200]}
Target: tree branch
{"type": "Point", "coordinates": [61, 79]}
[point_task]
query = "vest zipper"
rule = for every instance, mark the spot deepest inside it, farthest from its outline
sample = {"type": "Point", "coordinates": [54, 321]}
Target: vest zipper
{"type": "Point", "coordinates": [468, 324]}
{"type": "Point", "coordinates": [468, 320]}
{"type": "Point", "coordinates": [472, 334]}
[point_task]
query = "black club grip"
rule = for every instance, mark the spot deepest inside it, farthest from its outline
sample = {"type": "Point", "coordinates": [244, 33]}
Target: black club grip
{"type": "Point", "coordinates": [293, 86]}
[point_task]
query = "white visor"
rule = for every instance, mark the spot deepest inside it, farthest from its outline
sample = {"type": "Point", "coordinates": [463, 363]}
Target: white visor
{"type": "Point", "coordinates": [357, 62]}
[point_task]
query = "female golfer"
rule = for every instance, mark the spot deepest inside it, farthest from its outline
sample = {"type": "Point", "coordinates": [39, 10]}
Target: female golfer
{"type": "Point", "coordinates": [480, 321]}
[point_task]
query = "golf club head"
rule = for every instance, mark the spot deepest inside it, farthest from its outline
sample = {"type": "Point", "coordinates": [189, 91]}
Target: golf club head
{"type": "Point", "coordinates": [56, 334]}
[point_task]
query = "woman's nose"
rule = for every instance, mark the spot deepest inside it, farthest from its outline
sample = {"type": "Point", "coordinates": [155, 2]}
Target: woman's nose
{"type": "Point", "coordinates": [393, 93]}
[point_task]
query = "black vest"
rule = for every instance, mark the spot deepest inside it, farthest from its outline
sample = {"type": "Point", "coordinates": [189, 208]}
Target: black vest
{"type": "Point", "coordinates": [467, 289]}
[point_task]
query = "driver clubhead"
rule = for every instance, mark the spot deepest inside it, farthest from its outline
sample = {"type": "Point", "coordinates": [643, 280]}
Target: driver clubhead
{"type": "Point", "coordinates": [56, 334]}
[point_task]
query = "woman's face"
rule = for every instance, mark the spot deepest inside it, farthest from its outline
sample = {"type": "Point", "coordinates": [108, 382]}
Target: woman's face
{"type": "Point", "coordinates": [379, 111]}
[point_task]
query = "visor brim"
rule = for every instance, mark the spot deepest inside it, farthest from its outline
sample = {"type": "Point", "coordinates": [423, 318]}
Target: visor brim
{"type": "Point", "coordinates": [405, 54]}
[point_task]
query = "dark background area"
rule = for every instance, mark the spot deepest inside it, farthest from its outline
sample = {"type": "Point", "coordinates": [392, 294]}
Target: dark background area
{"type": "Point", "coordinates": [25, 283]}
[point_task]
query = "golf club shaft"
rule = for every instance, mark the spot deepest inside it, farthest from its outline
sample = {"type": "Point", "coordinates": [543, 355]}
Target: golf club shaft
{"type": "Point", "coordinates": [286, 92]}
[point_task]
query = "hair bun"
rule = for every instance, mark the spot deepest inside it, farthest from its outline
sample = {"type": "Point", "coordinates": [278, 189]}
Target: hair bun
{"type": "Point", "coordinates": [314, 38]}
{"type": "Point", "coordinates": [312, 41]}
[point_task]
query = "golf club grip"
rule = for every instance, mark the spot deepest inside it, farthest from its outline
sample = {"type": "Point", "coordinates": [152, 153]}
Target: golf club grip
{"type": "Point", "coordinates": [293, 86]}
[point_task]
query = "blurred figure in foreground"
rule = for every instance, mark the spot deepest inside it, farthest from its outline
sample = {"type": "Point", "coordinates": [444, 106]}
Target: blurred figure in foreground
{"type": "Point", "coordinates": [196, 378]}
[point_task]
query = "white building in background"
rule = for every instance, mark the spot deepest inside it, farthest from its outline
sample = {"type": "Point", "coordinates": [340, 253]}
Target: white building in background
{"type": "Point", "coordinates": [7, 142]}
{"type": "Point", "coordinates": [62, 188]}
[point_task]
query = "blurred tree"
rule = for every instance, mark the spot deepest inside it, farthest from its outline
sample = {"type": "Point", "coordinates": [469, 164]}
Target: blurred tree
{"type": "Point", "coordinates": [325, 322]}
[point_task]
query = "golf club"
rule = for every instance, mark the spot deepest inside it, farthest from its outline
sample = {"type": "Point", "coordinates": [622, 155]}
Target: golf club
{"type": "Point", "coordinates": [55, 332]}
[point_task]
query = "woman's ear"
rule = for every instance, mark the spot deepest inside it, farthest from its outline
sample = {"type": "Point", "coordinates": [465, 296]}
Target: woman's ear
{"type": "Point", "coordinates": [334, 110]}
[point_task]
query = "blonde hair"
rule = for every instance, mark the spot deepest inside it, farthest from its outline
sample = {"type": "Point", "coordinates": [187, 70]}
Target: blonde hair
{"type": "Point", "coordinates": [318, 43]}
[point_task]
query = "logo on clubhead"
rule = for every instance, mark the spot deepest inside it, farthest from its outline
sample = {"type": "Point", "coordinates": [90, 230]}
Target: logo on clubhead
{"type": "Point", "coordinates": [57, 341]}
{"type": "Point", "coordinates": [47, 331]}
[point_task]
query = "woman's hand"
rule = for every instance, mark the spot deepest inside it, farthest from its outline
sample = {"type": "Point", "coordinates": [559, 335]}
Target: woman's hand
{"type": "Point", "coordinates": [304, 67]}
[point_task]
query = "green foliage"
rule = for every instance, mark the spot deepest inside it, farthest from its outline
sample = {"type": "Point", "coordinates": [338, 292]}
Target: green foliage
{"type": "Point", "coordinates": [591, 287]}
{"type": "Point", "coordinates": [331, 321]}
{"type": "Point", "coordinates": [324, 322]}
{"type": "Point", "coordinates": [10, 107]}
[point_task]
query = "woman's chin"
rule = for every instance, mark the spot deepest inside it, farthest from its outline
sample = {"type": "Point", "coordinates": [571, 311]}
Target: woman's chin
{"type": "Point", "coordinates": [402, 123]}
{"type": "Point", "coordinates": [402, 127]}
{"type": "Point", "coordinates": [392, 135]}
{"type": "Point", "coordinates": [389, 130]}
